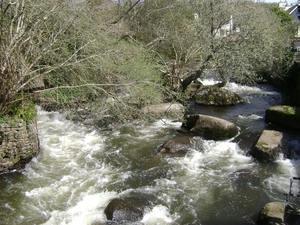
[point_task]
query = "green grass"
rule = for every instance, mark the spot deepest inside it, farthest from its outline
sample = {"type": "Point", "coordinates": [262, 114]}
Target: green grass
{"type": "Point", "coordinates": [22, 109]}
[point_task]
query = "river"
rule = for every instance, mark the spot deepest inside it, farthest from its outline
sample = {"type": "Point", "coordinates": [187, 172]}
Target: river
{"type": "Point", "coordinates": [80, 169]}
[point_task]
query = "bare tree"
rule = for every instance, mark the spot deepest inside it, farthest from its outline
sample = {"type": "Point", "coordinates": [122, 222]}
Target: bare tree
{"type": "Point", "coordinates": [31, 39]}
{"type": "Point", "coordinates": [72, 47]}
{"type": "Point", "coordinates": [242, 38]}
{"type": "Point", "coordinates": [77, 46]}
{"type": "Point", "coordinates": [236, 38]}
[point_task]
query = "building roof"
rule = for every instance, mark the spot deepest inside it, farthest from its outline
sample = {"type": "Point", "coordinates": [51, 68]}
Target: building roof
{"type": "Point", "coordinates": [292, 9]}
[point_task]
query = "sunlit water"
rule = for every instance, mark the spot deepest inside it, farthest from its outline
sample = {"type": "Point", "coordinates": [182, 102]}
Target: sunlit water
{"type": "Point", "coordinates": [80, 169]}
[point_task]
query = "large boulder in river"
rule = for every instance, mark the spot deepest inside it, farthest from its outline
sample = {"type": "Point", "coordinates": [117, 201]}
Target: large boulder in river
{"type": "Point", "coordinates": [214, 95]}
{"type": "Point", "coordinates": [126, 210]}
{"type": "Point", "coordinates": [283, 115]}
{"type": "Point", "coordinates": [280, 213]}
{"type": "Point", "coordinates": [268, 146]}
{"type": "Point", "coordinates": [209, 127]}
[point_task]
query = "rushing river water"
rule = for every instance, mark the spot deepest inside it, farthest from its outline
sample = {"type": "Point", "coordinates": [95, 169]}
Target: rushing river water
{"type": "Point", "coordinates": [80, 169]}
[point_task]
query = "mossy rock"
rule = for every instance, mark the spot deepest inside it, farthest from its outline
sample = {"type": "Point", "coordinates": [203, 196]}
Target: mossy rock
{"type": "Point", "coordinates": [283, 115]}
{"type": "Point", "coordinates": [214, 95]}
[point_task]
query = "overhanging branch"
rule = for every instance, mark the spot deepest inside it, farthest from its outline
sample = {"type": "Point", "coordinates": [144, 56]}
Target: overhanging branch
{"type": "Point", "coordinates": [131, 8]}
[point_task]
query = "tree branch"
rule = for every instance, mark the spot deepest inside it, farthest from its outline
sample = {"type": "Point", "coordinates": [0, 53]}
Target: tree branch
{"type": "Point", "coordinates": [131, 8]}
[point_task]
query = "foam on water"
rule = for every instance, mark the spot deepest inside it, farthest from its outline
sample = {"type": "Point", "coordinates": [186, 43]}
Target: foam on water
{"type": "Point", "coordinates": [71, 176]}
{"type": "Point", "coordinates": [250, 117]}
{"type": "Point", "coordinates": [238, 88]}
{"type": "Point", "coordinates": [203, 176]}
{"type": "Point", "coordinates": [217, 159]}
{"type": "Point", "coordinates": [67, 173]}
{"type": "Point", "coordinates": [88, 210]}
{"type": "Point", "coordinates": [279, 182]}
{"type": "Point", "coordinates": [208, 81]}
{"type": "Point", "coordinates": [80, 169]}
{"type": "Point", "coordinates": [159, 215]}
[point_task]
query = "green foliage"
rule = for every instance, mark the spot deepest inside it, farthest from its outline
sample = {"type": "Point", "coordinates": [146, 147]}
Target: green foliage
{"type": "Point", "coordinates": [256, 42]}
{"type": "Point", "coordinates": [287, 62]}
{"type": "Point", "coordinates": [78, 53]}
{"type": "Point", "coordinates": [4, 119]}
{"type": "Point", "coordinates": [289, 110]}
{"type": "Point", "coordinates": [284, 16]}
{"type": "Point", "coordinates": [22, 109]}
{"type": "Point", "coordinates": [82, 56]}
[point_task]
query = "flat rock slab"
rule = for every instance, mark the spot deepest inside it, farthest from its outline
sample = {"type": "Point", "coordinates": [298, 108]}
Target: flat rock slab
{"type": "Point", "coordinates": [268, 146]}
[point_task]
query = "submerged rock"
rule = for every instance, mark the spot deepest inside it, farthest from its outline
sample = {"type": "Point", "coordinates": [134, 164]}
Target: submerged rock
{"type": "Point", "coordinates": [214, 95]}
{"type": "Point", "coordinates": [283, 115]}
{"type": "Point", "coordinates": [179, 145]}
{"type": "Point", "coordinates": [126, 210]}
{"type": "Point", "coordinates": [209, 127]}
{"type": "Point", "coordinates": [279, 213]}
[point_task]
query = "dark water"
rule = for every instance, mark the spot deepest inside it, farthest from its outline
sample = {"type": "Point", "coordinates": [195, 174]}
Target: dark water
{"type": "Point", "coordinates": [81, 169]}
{"type": "Point", "coordinates": [248, 116]}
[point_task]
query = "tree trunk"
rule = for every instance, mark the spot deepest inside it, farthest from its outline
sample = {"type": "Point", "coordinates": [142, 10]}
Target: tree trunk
{"type": "Point", "coordinates": [223, 77]}
{"type": "Point", "coordinates": [195, 74]}
{"type": "Point", "coordinates": [130, 8]}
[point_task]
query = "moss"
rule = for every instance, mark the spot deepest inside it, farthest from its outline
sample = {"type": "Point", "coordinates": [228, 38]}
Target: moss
{"type": "Point", "coordinates": [4, 119]}
{"type": "Point", "coordinates": [227, 134]}
{"type": "Point", "coordinates": [23, 109]}
{"type": "Point", "coordinates": [289, 110]}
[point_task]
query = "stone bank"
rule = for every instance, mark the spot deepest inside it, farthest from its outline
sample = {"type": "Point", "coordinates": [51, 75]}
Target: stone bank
{"type": "Point", "coordinates": [18, 144]}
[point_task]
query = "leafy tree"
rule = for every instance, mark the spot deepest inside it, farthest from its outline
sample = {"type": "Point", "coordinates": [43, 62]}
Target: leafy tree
{"type": "Point", "coordinates": [283, 62]}
{"type": "Point", "coordinates": [285, 17]}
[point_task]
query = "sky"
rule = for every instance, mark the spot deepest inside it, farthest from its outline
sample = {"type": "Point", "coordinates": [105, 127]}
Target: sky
{"type": "Point", "coordinates": [277, 1]}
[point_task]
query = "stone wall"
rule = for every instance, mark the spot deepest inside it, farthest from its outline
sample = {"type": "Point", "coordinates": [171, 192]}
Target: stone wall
{"type": "Point", "coordinates": [18, 144]}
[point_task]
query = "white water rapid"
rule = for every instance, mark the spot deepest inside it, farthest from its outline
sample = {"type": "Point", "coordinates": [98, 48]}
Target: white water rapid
{"type": "Point", "coordinates": [80, 169]}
